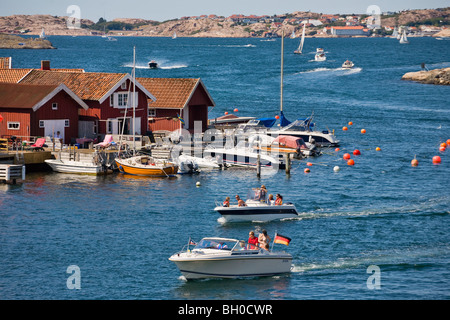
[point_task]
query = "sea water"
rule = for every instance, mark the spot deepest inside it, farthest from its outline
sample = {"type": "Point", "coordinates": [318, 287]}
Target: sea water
{"type": "Point", "coordinates": [375, 230]}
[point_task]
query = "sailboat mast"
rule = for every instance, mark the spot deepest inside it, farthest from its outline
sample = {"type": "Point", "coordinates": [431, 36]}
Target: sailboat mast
{"type": "Point", "coordinates": [134, 98]}
{"type": "Point", "coordinates": [282, 67]}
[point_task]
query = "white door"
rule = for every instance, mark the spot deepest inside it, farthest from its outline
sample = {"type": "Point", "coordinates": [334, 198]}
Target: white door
{"type": "Point", "coordinates": [51, 127]}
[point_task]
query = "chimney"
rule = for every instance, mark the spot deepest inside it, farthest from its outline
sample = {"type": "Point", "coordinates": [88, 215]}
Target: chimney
{"type": "Point", "coordinates": [45, 65]}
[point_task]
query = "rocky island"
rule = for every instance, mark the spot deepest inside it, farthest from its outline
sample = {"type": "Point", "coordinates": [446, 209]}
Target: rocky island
{"type": "Point", "coordinates": [436, 76]}
{"type": "Point", "coordinates": [16, 42]}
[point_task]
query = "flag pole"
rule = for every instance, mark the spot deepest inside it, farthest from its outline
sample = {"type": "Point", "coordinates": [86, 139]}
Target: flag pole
{"type": "Point", "coordinates": [273, 242]}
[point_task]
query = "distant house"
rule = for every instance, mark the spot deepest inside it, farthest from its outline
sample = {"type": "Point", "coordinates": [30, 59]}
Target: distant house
{"type": "Point", "coordinates": [39, 110]}
{"type": "Point", "coordinates": [185, 98]}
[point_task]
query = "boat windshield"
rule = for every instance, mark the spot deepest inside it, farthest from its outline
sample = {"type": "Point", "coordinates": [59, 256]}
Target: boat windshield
{"type": "Point", "coordinates": [219, 244]}
{"type": "Point", "coordinates": [300, 125]}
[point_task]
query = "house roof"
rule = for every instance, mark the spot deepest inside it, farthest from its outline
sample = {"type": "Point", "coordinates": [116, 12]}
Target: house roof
{"type": "Point", "coordinates": [26, 96]}
{"type": "Point", "coordinates": [5, 62]}
{"type": "Point", "coordinates": [173, 93]}
{"type": "Point", "coordinates": [13, 75]}
{"type": "Point", "coordinates": [96, 86]}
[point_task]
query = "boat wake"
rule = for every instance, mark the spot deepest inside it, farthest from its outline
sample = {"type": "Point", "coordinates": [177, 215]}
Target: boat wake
{"type": "Point", "coordinates": [336, 71]}
{"type": "Point", "coordinates": [162, 65]}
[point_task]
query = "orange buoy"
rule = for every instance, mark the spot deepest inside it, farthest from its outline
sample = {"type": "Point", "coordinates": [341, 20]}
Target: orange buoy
{"type": "Point", "coordinates": [226, 112]}
{"type": "Point", "coordinates": [357, 152]}
{"type": "Point", "coordinates": [236, 110]}
{"type": "Point", "coordinates": [351, 162]}
{"type": "Point", "coordinates": [344, 128]}
{"type": "Point", "coordinates": [350, 123]}
{"type": "Point", "coordinates": [378, 149]}
{"type": "Point", "coordinates": [307, 170]}
{"type": "Point", "coordinates": [436, 160]}
{"type": "Point", "coordinates": [444, 145]}
{"type": "Point", "coordinates": [277, 117]}
{"type": "Point", "coordinates": [414, 162]}
{"type": "Point", "coordinates": [309, 164]}
{"type": "Point", "coordinates": [363, 131]}
{"type": "Point", "coordinates": [337, 149]}
{"type": "Point", "coordinates": [346, 156]}
{"type": "Point", "coordinates": [442, 149]}
{"type": "Point", "coordinates": [448, 142]}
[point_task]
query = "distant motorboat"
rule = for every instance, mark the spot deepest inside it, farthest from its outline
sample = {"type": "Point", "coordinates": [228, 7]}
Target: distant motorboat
{"type": "Point", "coordinates": [348, 64]}
{"type": "Point", "coordinates": [320, 55]}
{"type": "Point", "coordinates": [153, 64]}
{"type": "Point", "coordinates": [111, 39]}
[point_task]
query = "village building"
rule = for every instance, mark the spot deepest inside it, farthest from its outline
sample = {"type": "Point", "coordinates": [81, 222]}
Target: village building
{"type": "Point", "coordinates": [39, 110]}
{"type": "Point", "coordinates": [349, 31]}
{"type": "Point", "coordinates": [179, 103]}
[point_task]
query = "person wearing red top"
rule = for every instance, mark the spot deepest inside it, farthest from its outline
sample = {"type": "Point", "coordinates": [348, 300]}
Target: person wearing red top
{"type": "Point", "coordinates": [279, 200]}
{"type": "Point", "coordinates": [226, 203]}
{"type": "Point", "coordinates": [252, 240]}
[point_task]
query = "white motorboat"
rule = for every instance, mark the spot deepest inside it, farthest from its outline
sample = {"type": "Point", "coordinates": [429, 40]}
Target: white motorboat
{"type": "Point", "coordinates": [348, 64]}
{"type": "Point", "coordinates": [320, 57]}
{"type": "Point", "coordinates": [192, 164]}
{"type": "Point", "coordinates": [153, 64]}
{"type": "Point", "coordinates": [242, 155]}
{"type": "Point", "coordinates": [215, 257]}
{"type": "Point", "coordinates": [79, 167]}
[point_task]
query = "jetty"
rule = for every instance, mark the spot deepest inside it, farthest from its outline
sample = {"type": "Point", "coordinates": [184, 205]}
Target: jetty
{"type": "Point", "coordinates": [435, 76]}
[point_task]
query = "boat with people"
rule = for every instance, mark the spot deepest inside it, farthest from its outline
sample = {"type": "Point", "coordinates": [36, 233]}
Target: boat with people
{"type": "Point", "coordinates": [217, 257]}
{"type": "Point", "coordinates": [153, 64]}
{"type": "Point", "coordinates": [320, 55]}
{"type": "Point", "coordinates": [257, 207]}
{"type": "Point", "coordinates": [348, 64]}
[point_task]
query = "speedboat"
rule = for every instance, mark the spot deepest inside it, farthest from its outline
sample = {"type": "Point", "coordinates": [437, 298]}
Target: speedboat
{"type": "Point", "coordinates": [257, 210]}
{"type": "Point", "coordinates": [320, 55]}
{"type": "Point", "coordinates": [192, 164]}
{"type": "Point", "coordinates": [303, 128]}
{"type": "Point", "coordinates": [79, 167]}
{"type": "Point", "coordinates": [143, 165]}
{"type": "Point", "coordinates": [348, 64]}
{"type": "Point", "coordinates": [242, 155]}
{"type": "Point", "coordinates": [153, 64]}
{"type": "Point", "coordinates": [215, 257]}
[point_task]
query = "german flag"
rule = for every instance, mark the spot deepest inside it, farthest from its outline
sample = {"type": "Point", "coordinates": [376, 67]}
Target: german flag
{"type": "Point", "coordinates": [281, 239]}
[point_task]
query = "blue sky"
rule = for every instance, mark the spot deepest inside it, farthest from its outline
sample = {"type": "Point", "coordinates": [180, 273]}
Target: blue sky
{"type": "Point", "coordinates": [161, 10]}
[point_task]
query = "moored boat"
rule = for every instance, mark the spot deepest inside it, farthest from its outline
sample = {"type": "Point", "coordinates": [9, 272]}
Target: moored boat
{"type": "Point", "coordinates": [79, 167]}
{"type": "Point", "coordinates": [215, 257]}
{"type": "Point", "coordinates": [143, 165]}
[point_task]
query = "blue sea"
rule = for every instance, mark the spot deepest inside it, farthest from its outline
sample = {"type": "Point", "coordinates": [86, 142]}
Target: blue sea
{"type": "Point", "coordinates": [381, 214]}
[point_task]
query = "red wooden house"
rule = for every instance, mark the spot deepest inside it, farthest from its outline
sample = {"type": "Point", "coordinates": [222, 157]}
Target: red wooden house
{"type": "Point", "coordinates": [39, 110]}
{"type": "Point", "coordinates": [187, 99]}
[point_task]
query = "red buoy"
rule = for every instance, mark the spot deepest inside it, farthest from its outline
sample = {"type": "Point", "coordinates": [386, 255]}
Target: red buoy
{"type": "Point", "coordinates": [436, 160]}
{"type": "Point", "coordinates": [277, 117]}
{"type": "Point", "coordinates": [414, 162]}
{"type": "Point", "coordinates": [236, 110]}
{"type": "Point", "coordinates": [226, 112]}
{"type": "Point", "coordinates": [309, 164]}
{"type": "Point", "coordinates": [448, 141]}
{"type": "Point", "coordinates": [351, 162]}
{"type": "Point", "coordinates": [363, 131]}
{"type": "Point", "coordinates": [344, 128]}
{"type": "Point", "coordinates": [442, 149]}
{"type": "Point", "coordinates": [346, 156]}
{"type": "Point", "coordinates": [357, 152]}
{"type": "Point", "coordinates": [307, 170]}
{"type": "Point", "coordinates": [337, 149]}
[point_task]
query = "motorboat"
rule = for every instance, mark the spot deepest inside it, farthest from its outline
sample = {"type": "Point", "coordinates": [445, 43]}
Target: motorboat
{"type": "Point", "coordinates": [320, 57]}
{"type": "Point", "coordinates": [348, 64]}
{"type": "Point", "coordinates": [242, 155]}
{"type": "Point", "coordinates": [153, 64]}
{"type": "Point", "coordinates": [79, 167]}
{"type": "Point", "coordinates": [304, 128]}
{"type": "Point", "coordinates": [215, 257]}
{"type": "Point", "coordinates": [257, 209]}
{"type": "Point", "coordinates": [144, 165]}
{"type": "Point", "coordinates": [283, 144]}
{"type": "Point", "coordinates": [192, 164]}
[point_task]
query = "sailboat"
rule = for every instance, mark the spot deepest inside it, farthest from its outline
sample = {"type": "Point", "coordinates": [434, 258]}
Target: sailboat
{"type": "Point", "coordinates": [174, 36]}
{"type": "Point", "coordinates": [300, 46]}
{"type": "Point", "coordinates": [403, 38]}
{"type": "Point", "coordinates": [142, 165]}
{"type": "Point", "coordinates": [42, 35]}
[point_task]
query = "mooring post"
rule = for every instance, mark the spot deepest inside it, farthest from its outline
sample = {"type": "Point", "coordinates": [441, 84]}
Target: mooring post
{"type": "Point", "coordinates": [258, 165]}
{"type": "Point", "coordinates": [287, 160]}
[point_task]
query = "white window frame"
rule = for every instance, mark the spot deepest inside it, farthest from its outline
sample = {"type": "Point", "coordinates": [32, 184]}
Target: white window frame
{"type": "Point", "coordinates": [41, 124]}
{"type": "Point", "coordinates": [11, 125]}
{"type": "Point", "coordinates": [151, 112]}
{"type": "Point", "coordinates": [123, 86]}
{"type": "Point", "coordinates": [66, 123]}
{"type": "Point", "coordinates": [54, 106]}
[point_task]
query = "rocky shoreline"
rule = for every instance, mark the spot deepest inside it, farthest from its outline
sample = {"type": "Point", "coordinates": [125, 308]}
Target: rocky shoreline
{"type": "Point", "coordinates": [436, 76]}
{"type": "Point", "coordinates": [16, 42]}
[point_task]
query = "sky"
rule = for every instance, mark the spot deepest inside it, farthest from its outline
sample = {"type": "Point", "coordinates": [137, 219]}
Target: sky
{"type": "Point", "coordinates": [161, 10]}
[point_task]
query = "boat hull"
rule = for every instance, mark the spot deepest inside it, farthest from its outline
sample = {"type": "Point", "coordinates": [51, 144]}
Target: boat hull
{"type": "Point", "coordinates": [75, 167]}
{"type": "Point", "coordinates": [233, 266]}
{"type": "Point", "coordinates": [148, 170]}
{"type": "Point", "coordinates": [257, 213]}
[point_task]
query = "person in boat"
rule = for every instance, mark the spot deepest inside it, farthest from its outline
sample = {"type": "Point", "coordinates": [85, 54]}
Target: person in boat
{"type": "Point", "coordinates": [226, 203]}
{"type": "Point", "coordinates": [241, 203]}
{"type": "Point", "coordinates": [279, 200]}
{"type": "Point", "coordinates": [270, 201]}
{"type": "Point", "coordinates": [252, 240]}
{"type": "Point", "coordinates": [262, 193]}
{"type": "Point", "coordinates": [263, 239]}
